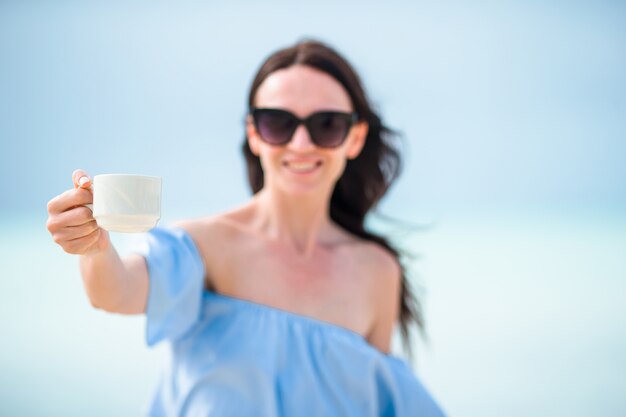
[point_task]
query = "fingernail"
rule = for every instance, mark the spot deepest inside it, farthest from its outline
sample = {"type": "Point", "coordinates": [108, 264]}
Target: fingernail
{"type": "Point", "coordinates": [82, 181]}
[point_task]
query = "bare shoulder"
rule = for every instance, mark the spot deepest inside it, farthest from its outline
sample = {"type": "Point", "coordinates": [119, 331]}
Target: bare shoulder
{"type": "Point", "coordinates": [384, 283]}
{"type": "Point", "coordinates": [216, 227]}
{"type": "Point", "coordinates": [381, 265]}
{"type": "Point", "coordinates": [216, 238]}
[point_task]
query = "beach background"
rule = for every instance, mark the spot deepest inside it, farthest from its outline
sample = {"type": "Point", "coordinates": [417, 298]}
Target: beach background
{"type": "Point", "coordinates": [514, 121]}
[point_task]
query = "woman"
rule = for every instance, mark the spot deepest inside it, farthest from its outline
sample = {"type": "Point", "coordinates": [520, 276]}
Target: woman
{"type": "Point", "coordinates": [285, 305]}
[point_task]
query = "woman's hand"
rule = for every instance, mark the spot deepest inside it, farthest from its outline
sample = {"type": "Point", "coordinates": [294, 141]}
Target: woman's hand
{"type": "Point", "coordinates": [71, 224]}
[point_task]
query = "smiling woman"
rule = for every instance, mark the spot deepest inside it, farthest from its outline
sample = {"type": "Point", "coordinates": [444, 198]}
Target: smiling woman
{"type": "Point", "coordinates": [285, 305]}
{"type": "Point", "coordinates": [333, 84]}
{"type": "Point", "coordinates": [311, 155]}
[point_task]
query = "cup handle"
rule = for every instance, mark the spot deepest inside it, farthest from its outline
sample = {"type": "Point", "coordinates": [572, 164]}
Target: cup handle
{"type": "Point", "coordinates": [90, 206]}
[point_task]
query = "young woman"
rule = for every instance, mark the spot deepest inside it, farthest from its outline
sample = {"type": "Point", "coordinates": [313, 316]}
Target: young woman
{"type": "Point", "coordinates": [286, 305]}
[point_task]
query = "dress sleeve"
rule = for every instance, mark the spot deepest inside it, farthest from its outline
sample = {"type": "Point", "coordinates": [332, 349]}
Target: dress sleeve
{"type": "Point", "coordinates": [176, 283]}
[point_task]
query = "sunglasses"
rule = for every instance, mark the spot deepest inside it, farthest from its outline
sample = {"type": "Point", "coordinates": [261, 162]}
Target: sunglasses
{"type": "Point", "coordinates": [327, 129]}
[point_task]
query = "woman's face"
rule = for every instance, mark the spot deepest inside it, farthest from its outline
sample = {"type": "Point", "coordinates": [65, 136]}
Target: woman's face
{"type": "Point", "coordinates": [301, 166]}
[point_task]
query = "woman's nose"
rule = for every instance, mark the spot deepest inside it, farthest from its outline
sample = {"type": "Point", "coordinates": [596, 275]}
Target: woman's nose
{"type": "Point", "coordinates": [301, 140]}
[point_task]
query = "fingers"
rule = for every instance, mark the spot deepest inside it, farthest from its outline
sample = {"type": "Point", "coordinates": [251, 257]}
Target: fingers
{"type": "Point", "coordinates": [83, 244]}
{"type": "Point", "coordinates": [67, 211]}
{"type": "Point", "coordinates": [76, 239]}
{"type": "Point", "coordinates": [71, 233]}
{"type": "Point", "coordinates": [70, 199]}
{"type": "Point", "coordinates": [81, 179]}
{"type": "Point", "coordinates": [69, 219]}
{"type": "Point", "coordinates": [71, 224]}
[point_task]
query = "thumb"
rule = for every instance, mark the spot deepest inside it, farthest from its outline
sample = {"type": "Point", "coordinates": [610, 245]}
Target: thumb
{"type": "Point", "coordinates": [81, 179]}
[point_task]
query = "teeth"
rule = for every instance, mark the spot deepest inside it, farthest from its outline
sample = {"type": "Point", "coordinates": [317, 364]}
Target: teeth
{"type": "Point", "coordinates": [302, 166]}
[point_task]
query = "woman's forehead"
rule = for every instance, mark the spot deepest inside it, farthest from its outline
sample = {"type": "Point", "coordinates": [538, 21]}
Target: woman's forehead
{"type": "Point", "coordinates": [302, 89]}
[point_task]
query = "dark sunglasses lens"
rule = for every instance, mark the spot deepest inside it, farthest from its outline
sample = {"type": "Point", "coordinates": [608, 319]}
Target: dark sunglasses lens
{"type": "Point", "coordinates": [274, 126]}
{"type": "Point", "coordinates": [329, 129]}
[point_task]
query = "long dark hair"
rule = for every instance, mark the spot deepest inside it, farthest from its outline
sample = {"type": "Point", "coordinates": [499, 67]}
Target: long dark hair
{"type": "Point", "coordinates": [366, 178]}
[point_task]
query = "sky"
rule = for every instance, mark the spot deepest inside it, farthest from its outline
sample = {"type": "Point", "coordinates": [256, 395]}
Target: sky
{"type": "Point", "coordinates": [516, 104]}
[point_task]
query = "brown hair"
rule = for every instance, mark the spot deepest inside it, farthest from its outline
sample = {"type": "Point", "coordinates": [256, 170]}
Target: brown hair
{"type": "Point", "coordinates": [366, 178]}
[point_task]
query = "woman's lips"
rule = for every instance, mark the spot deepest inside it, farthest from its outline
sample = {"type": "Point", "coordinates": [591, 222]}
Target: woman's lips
{"type": "Point", "coordinates": [302, 167]}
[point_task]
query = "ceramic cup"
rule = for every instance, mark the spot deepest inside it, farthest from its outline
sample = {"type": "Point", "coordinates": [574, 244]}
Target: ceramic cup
{"type": "Point", "coordinates": [126, 203]}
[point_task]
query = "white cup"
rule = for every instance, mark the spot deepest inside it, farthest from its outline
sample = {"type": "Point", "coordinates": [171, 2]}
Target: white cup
{"type": "Point", "coordinates": [126, 203]}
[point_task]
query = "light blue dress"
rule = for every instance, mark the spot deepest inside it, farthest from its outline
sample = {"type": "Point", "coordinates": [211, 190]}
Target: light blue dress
{"type": "Point", "coordinates": [231, 357]}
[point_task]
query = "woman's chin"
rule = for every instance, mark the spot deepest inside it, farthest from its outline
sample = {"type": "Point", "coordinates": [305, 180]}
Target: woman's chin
{"type": "Point", "coordinates": [304, 189]}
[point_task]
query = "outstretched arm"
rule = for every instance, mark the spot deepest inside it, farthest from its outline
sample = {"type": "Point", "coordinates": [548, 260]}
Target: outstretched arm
{"type": "Point", "coordinates": [112, 283]}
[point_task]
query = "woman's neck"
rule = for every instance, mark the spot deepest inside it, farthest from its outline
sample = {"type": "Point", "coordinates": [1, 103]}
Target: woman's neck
{"type": "Point", "coordinates": [302, 222]}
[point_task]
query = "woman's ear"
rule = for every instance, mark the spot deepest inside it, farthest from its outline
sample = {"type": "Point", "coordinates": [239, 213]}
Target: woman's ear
{"type": "Point", "coordinates": [356, 140]}
{"type": "Point", "coordinates": [252, 135]}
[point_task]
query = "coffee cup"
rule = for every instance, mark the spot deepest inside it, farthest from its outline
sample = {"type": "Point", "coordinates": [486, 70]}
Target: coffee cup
{"type": "Point", "coordinates": [126, 203]}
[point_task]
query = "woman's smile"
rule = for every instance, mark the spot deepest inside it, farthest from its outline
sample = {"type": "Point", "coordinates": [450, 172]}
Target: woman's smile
{"type": "Point", "coordinates": [302, 167]}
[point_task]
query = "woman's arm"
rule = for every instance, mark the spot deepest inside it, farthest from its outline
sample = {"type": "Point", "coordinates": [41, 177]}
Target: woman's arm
{"type": "Point", "coordinates": [115, 284]}
{"type": "Point", "coordinates": [112, 283]}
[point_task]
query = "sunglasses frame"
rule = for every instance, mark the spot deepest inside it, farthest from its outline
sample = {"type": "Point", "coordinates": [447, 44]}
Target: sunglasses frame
{"type": "Point", "coordinates": [254, 112]}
